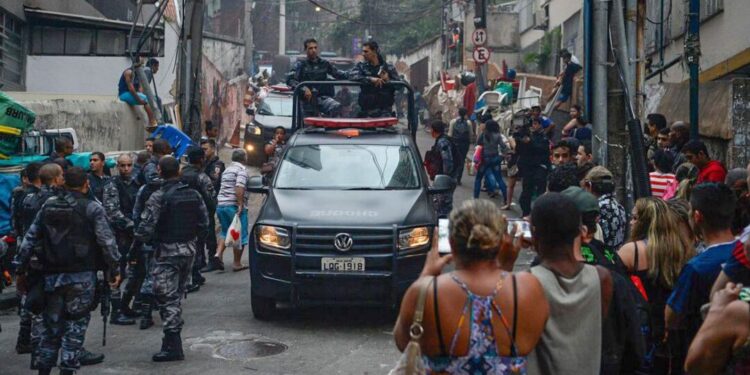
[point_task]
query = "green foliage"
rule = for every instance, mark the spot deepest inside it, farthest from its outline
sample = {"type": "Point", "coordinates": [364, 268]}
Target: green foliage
{"type": "Point", "coordinates": [397, 27]}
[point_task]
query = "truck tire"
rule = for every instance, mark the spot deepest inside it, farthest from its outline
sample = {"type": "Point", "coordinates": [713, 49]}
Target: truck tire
{"type": "Point", "coordinates": [263, 308]}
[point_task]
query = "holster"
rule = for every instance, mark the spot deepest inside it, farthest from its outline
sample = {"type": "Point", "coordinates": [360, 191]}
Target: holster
{"type": "Point", "coordinates": [35, 301]}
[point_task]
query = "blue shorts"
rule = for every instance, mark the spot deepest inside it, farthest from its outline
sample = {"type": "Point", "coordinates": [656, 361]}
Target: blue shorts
{"type": "Point", "coordinates": [226, 215]}
{"type": "Point", "coordinates": [127, 97]}
{"type": "Point", "coordinates": [563, 97]}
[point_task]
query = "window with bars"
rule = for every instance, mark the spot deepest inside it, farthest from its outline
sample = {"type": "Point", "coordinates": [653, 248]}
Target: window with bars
{"type": "Point", "coordinates": [71, 41]}
{"type": "Point", "coordinates": [675, 22]}
{"type": "Point", "coordinates": [12, 56]}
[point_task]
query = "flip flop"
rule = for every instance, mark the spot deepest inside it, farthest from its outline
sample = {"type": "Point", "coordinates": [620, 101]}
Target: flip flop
{"type": "Point", "coordinates": [244, 267]}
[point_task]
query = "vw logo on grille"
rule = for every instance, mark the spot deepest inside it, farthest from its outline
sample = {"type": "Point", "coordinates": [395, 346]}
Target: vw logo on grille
{"type": "Point", "coordinates": [343, 242]}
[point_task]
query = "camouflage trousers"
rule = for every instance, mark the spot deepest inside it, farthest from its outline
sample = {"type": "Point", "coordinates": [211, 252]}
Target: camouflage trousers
{"type": "Point", "coordinates": [170, 275]}
{"type": "Point", "coordinates": [33, 324]}
{"type": "Point", "coordinates": [138, 278]}
{"type": "Point", "coordinates": [66, 318]}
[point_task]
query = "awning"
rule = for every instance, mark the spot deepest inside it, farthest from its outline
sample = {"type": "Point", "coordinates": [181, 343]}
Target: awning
{"type": "Point", "coordinates": [82, 20]}
{"type": "Point", "coordinates": [715, 100]}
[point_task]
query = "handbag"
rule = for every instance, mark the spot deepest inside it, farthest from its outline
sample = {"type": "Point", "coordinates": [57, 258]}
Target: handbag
{"type": "Point", "coordinates": [410, 362]}
{"type": "Point", "coordinates": [234, 232]}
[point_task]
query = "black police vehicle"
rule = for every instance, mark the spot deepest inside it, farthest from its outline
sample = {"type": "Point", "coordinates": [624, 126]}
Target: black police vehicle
{"type": "Point", "coordinates": [348, 216]}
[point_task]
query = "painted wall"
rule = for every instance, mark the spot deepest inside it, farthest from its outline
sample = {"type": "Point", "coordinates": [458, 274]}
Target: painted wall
{"type": "Point", "coordinates": [226, 56]}
{"type": "Point", "coordinates": [101, 124]}
{"type": "Point", "coordinates": [431, 51]}
{"type": "Point", "coordinates": [722, 37]}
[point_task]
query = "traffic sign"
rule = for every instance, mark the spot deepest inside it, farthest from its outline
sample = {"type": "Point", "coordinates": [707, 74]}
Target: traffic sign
{"type": "Point", "coordinates": [479, 37]}
{"type": "Point", "coordinates": [481, 55]}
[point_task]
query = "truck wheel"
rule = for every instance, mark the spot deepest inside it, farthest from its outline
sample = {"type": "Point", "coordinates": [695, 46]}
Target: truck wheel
{"type": "Point", "coordinates": [263, 308]}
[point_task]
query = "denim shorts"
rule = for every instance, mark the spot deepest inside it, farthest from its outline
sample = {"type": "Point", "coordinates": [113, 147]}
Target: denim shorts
{"type": "Point", "coordinates": [127, 97]}
{"type": "Point", "coordinates": [226, 215]}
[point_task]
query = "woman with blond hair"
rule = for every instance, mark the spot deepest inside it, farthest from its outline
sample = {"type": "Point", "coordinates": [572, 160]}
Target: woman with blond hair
{"type": "Point", "coordinates": [481, 312]}
{"type": "Point", "coordinates": [654, 257]}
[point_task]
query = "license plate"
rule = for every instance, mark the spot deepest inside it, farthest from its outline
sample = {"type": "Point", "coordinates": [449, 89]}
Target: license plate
{"type": "Point", "coordinates": [342, 264]}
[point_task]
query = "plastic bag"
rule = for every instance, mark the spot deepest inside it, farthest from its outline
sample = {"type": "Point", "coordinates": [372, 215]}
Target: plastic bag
{"type": "Point", "coordinates": [234, 233]}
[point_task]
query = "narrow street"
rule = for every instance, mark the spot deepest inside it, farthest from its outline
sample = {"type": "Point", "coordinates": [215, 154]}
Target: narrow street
{"type": "Point", "coordinates": [222, 337]}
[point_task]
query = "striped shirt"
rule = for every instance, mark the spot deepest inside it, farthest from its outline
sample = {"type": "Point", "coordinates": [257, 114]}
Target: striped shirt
{"type": "Point", "coordinates": [234, 176]}
{"type": "Point", "coordinates": [660, 182]}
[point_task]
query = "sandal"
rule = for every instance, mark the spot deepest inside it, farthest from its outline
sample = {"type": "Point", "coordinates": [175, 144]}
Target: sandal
{"type": "Point", "coordinates": [241, 268]}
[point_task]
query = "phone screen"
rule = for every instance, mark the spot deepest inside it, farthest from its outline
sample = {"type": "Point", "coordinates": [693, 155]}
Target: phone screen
{"type": "Point", "coordinates": [522, 227]}
{"type": "Point", "coordinates": [444, 246]}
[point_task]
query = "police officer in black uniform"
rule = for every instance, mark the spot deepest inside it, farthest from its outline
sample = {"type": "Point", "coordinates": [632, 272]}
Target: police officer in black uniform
{"type": "Point", "coordinates": [214, 168]}
{"type": "Point", "coordinates": [316, 99]}
{"type": "Point", "coordinates": [194, 177]}
{"type": "Point", "coordinates": [76, 241]}
{"type": "Point", "coordinates": [174, 218]}
{"type": "Point", "coordinates": [97, 177]}
{"type": "Point", "coordinates": [376, 97]}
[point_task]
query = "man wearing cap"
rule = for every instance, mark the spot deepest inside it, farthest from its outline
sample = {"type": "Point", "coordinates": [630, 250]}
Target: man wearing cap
{"type": "Point", "coordinates": [600, 182]}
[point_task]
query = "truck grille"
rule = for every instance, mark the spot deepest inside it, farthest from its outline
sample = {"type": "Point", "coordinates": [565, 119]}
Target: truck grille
{"type": "Point", "coordinates": [365, 240]}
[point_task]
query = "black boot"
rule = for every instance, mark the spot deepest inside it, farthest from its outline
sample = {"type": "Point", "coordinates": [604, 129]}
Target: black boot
{"type": "Point", "coordinates": [44, 371]}
{"type": "Point", "coordinates": [117, 317]}
{"type": "Point", "coordinates": [23, 344]}
{"type": "Point", "coordinates": [147, 320]}
{"type": "Point", "coordinates": [171, 348]}
{"type": "Point", "coordinates": [125, 305]}
{"type": "Point", "coordinates": [88, 358]}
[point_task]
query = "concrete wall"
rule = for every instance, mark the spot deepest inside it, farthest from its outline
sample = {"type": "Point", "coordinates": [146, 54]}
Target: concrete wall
{"type": "Point", "coordinates": [722, 37]}
{"type": "Point", "coordinates": [101, 124]}
{"type": "Point", "coordinates": [431, 51]}
{"type": "Point", "coordinates": [96, 75]}
{"type": "Point", "coordinates": [227, 56]}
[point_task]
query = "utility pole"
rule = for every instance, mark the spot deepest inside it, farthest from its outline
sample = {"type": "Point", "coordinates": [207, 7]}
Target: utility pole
{"type": "Point", "coordinates": [692, 56]}
{"type": "Point", "coordinates": [282, 27]}
{"type": "Point", "coordinates": [247, 26]}
{"type": "Point", "coordinates": [599, 57]}
{"type": "Point", "coordinates": [191, 57]}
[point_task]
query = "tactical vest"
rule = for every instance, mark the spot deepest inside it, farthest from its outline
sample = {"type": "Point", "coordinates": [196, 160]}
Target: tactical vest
{"type": "Point", "coordinates": [69, 239]}
{"type": "Point", "coordinates": [127, 194]}
{"type": "Point", "coordinates": [191, 178]}
{"type": "Point", "coordinates": [178, 220]}
{"type": "Point", "coordinates": [31, 205]}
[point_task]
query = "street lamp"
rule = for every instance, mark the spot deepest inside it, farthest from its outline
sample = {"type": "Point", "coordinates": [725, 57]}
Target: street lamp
{"type": "Point", "coordinates": [317, 9]}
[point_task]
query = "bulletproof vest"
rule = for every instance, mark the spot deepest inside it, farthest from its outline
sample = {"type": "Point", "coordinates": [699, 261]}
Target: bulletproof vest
{"type": "Point", "coordinates": [69, 239]}
{"type": "Point", "coordinates": [127, 194]}
{"type": "Point", "coordinates": [190, 177]}
{"type": "Point", "coordinates": [141, 177]}
{"type": "Point", "coordinates": [31, 205]}
{"type": "Point", "coordinates": [178, 220]}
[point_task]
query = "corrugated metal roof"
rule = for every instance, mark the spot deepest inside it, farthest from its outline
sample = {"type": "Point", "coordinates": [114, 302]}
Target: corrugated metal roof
{"type": "Point", "coordinates": [715, 106]}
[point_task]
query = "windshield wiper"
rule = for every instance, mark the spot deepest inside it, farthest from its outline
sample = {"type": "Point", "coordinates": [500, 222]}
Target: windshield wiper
{"type": "Point", "coordinates": [364, 188]}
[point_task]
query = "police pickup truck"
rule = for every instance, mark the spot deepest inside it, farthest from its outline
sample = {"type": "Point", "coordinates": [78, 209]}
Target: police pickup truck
{"type": "Point", "coordinates": [348, 216]}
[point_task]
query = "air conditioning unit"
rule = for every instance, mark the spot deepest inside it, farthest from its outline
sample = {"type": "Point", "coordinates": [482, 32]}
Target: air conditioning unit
{"type": "Point", "coordinates": [541, 21]}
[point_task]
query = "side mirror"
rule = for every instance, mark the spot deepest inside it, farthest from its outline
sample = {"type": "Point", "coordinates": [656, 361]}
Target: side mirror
{"type": "Point", "coordinates": [255, 185]}
{"type": "Point", "coordinates": [443, 184]}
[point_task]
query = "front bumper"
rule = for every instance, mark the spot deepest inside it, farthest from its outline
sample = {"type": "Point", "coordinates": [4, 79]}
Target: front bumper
{"type": "Point", "coordinates": [295, 276]}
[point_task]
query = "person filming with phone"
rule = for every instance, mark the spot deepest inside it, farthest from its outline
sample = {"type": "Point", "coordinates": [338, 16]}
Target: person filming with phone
{"type": "Point", "coordinates": [473, 314]}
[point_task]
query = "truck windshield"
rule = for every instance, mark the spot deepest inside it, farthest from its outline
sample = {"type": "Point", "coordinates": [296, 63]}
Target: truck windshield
{"type": "Point", "coordinates": [276, 106]}
{"type": "Point", "coordinates": [348, 167]}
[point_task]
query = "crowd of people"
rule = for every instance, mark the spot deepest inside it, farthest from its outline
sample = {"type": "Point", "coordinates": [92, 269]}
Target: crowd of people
{"type": "Point", "coordinates": [658, 290]}
{"type": "Point", "coordinates": [134, 241]}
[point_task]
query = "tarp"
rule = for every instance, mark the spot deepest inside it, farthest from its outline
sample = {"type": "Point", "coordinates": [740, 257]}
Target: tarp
{"type": "Point", "coordinates": [7, 183]}
{"type": "Point", "coordinates": [14, 120]}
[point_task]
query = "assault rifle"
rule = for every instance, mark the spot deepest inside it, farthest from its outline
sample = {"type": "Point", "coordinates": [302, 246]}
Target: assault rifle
{"type": "Point", "coordinates": [104, 295]}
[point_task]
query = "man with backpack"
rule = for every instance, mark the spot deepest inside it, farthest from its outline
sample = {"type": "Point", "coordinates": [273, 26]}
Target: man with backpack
{"type": "Point", "coordinates": [461, 132]}
{"type": "Point", "coordinates": [440, 160]}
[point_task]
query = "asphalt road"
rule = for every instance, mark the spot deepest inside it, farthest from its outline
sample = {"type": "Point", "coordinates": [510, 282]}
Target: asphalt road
{"type": "Point", "coordinates": [222, 337]}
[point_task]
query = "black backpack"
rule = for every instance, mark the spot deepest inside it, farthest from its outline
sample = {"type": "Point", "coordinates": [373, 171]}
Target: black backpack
{"type": "Point", "coordinates": [461, 131]}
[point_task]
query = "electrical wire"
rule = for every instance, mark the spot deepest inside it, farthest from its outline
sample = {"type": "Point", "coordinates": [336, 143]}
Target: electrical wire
{"type": "Point", "coordinates": [669, 14]}
{"type": "Point", "coordinates": [370, 24]}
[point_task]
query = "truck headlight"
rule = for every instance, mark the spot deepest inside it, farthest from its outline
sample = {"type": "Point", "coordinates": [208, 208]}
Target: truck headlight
{"type": "Point", "coordinates": [412, 238]}
{"type": "Point", "coordinates": [274, 237]}
{"type": "Point", "coordinates": [255, 130]}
